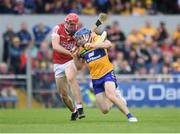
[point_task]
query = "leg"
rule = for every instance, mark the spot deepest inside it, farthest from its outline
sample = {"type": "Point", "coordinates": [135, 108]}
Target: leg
{"type": "Point", "coordinates": [62, 86]}
{"type": "Point", "coordinates": [110, 91]}
{"type": "Point", "coordinates": [70, 73]}
{"type": "Point", "coordinates": [103, 102]}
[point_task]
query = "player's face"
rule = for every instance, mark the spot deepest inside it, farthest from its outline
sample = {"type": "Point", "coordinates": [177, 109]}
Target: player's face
{"type": "Point", "coordinates": [81, 40]}
{"type": "Point", "coordinates": [71, 27]}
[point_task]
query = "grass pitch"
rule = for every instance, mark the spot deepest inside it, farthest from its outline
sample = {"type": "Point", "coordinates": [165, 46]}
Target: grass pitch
{"type": "Point", "coordinates": [57, 120]}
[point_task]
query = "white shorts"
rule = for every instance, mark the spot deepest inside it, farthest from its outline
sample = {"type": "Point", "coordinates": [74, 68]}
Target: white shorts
{"type": "Point", "coordinates": [59, 69]}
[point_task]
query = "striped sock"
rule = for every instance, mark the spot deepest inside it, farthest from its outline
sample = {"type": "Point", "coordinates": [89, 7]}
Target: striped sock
{"type": "Point", "coordinates": [79, 105]}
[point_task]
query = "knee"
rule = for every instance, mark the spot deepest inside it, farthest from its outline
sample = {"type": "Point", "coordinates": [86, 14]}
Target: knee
{"type": "Point", "coordinates": [71, 79]}
{"type": "Point", "coordinates": [110, 96]}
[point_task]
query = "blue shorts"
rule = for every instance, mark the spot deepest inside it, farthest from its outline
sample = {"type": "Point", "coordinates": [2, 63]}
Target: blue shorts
{"type": "Point", "coordinates": [98, 84]}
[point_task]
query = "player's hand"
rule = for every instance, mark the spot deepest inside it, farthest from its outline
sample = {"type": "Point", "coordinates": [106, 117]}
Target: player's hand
{"type": "Point", "coordinates": [74, 51]}
{"type": "Point", "coordinates": [88, 45]}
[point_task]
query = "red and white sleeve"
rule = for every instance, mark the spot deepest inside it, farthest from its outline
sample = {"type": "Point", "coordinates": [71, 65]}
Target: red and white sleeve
{"type": "Point", "coordinates": [55, 32]}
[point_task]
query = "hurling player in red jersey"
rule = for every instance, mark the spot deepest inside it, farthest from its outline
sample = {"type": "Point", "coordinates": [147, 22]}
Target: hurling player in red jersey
{"type": "Point", "coordinates": [64, 67]}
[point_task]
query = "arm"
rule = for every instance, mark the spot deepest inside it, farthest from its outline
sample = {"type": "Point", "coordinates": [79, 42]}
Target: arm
{"type": "Point", "coordinates": [57, 47]}
{"type": "Point", "coordinates": [55, 42]}
{"type": "Point", "coordinates": [101, 19]}
{"type": "Point", "coordinates": [105, 44]}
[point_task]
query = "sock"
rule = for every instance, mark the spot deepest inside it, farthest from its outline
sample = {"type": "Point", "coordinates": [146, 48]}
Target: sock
{"type": "Point", "coordinates": [79, 105]}
{"type": "Point", "coordinates": [129, 115]}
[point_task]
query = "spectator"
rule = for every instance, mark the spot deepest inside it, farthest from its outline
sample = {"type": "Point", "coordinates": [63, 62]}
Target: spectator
{"type": "Point", "coordinates": [119, 59]}
{"type": "Point", "coordinates": [58, 7]}
{"type": "Point", "coordinates": [116, 35]}
{"type": "Point", "coordinates": [15, 56]}
{"type": "Point", "coordinates": [127, 10]}
{"type": "Point", "coordinates": [155, 64]}
{"type": "Point", "coordinates": [138, 9]}
{"type": "Point", "coordinates": [40, 32]}
{"type": "Point", "coordinates": [42, 55]}
{"type": "Point", "coordinates": [103, 5]}
{"type": "Point", "coordinates": [124, 68]}
{"type": "Point", "coordinates": [89, 9]}
{"type": "Point", "coordinates": [46, 94]}
{"type": "Point", "coordinates": [6, 7]}
{"type": "Point", "coordinates": [7, 38]}
{"type": "Point", "coordinates": [40, 6]}
{"type": "Point", "coordinates": [176, 65]}
{"type": "Point", "coordinates": [6, 89]}
{"type": "Point", "coordinates": [79, 5]}
{"type": "Point", "coordinates": [33, 49]}
{"type": "Point", "coordinates": [117, 6]}
{"type": "Point", "coordinates": [74, 8]}
{"type": "Point", "coordinates": [142, 51]}
{"type": "Point", "coordinates": [140, 63]}
{"type": "Point", "coordinates": [65, 6]}
{"type": "Point", "coordinates": [176, 34]}
{"type": "Point", "coordinates": [121, 65]}
{"type": "Point", "coordinates": [162, 33]}
{"type": "Point", "coordinates": [167, 49]}
{"type": "Point", "coordinates": [142, 71]}
{"type": "Point", "coordinates": [177, 43]}
{"type": "Point", "coordinates": [167, 60]}
{"type": "Point", "coordinates": [176, 50]}
{"type": "Point", "coordinates": [126, 49]}
{"type": "Point", "coordinates": [155, 49]}
{"type": "Point", "coordinates": [132, 60]}
{"type": "Point", "coordinates": [3, 68]}
{"type": "Point", "coordinates": [165, 70]}
{"type": "Point", "coordinates": [24, 35]}
{"type": "Point", "coordinates": [150, 8]}
{"type": "Point", "coordinates": [19, 7]}
{"type": "Point", "coordinates": [148, 31]}
{"type": "Point", "coordinates": [9, 92]}
{"type": "Point", "coordinates": [135, 37]}
{"type": "Point", "coordinates": [134, 7]}
{"type": "Point", "coordinates": [167, 7]}
{"type": "Point", "coordinates": [48, 9]}
{"type": "Point", "coordinates": [30, 6]}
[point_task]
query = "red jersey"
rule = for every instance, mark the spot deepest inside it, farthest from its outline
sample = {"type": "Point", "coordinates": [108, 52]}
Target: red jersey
{"type": "Point", "coordinates": [66, 41]}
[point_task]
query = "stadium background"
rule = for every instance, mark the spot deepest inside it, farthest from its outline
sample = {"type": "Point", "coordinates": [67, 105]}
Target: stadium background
{"type": "Point", "coordinates": [146, 51]}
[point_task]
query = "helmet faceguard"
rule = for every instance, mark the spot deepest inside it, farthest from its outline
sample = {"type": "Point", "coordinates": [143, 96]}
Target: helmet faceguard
{"type": "Point", "coordinates": [71, 23]}
{"type": "Point", "coordinates": [82, 36]}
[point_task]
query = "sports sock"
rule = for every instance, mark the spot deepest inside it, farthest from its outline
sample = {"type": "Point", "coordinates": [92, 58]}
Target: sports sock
{"type": "Point", "coordinates": [129, 115]}
{"type": "Point", "coordinates": [79, 105]}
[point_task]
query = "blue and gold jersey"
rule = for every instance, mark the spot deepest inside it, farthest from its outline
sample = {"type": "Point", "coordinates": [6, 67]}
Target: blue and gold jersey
{"type": "Point", "coordinates": [97, 60]}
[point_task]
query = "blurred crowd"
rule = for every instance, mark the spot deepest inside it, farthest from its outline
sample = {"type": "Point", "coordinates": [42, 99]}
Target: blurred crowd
{"type": "Point", "coordinates": [90, 7]}
{"type": "Point", "coordinates": [148, 50]}
{"type": "Point", "coordinates": [144, 51]}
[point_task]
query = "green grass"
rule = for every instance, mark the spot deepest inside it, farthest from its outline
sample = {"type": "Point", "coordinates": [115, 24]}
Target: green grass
{"type": "Point", "coordinates": [57, 120]}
